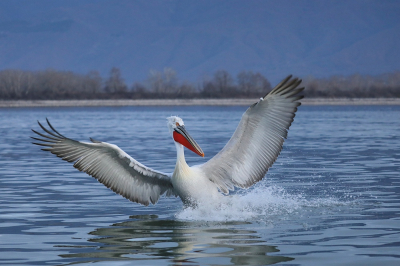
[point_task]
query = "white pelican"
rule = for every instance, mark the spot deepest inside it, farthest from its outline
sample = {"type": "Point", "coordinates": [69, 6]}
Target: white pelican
{"type": "Point", "coordinates": [243, 161]}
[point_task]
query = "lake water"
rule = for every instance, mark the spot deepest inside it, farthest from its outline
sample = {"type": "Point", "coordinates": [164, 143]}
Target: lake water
{"type": "Point", "coordinates": [332, 197]}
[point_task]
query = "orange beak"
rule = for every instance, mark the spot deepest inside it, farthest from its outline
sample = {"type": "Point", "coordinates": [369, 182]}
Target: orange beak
{"type": "Point", "coordinates": [182, 136]}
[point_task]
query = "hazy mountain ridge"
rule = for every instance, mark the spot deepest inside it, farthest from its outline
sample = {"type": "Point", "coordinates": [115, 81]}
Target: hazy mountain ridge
{"type": "Point", "coordinates": [197, 38]}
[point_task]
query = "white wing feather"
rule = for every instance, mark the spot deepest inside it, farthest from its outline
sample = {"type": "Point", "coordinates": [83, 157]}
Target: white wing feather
{"type": "Point", "coordinates": [258, 139]}
{"type": "Point", "coordinates": [110, 165]}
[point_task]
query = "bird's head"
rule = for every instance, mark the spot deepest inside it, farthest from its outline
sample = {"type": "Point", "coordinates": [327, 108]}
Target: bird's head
{"type": "Point", "coordinates": [180, 135]}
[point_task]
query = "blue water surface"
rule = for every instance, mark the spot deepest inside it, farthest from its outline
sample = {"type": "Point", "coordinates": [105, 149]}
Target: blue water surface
{"type": "Point", "coordinates": [331, 198]}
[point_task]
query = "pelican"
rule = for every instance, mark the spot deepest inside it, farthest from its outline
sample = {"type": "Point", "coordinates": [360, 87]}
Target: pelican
{"type": "Point", "coordinates": [245, 159]}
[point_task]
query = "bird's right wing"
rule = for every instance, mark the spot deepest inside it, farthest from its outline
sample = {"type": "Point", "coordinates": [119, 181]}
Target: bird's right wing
{"type": "Point", "coordinates": [110, 165]}
{"type": "Point", "coordinates": [258, 139]}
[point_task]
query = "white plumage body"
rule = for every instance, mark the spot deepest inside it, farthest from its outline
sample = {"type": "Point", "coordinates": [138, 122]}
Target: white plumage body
{"type": "Point", "coordinates": [191, 183]}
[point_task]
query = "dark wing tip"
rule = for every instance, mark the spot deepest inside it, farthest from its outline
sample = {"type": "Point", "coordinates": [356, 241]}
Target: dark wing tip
{"type": "Point", "coordinates": [51, 138]}
{"type": "Point", "coordinates": [280, 84]}
{"type": "Point", "coordinates": [288, 87]}
{"type": "Point", "coordinates": [48, 122]}
{"type": "Point", "coordinates": [285, 80]}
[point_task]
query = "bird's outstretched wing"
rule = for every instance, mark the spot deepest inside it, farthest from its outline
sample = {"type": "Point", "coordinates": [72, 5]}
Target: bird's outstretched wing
{"type": "Point", "coordinates": [258, 139]}
{"type": "Point", "coordinates": [109, 165]}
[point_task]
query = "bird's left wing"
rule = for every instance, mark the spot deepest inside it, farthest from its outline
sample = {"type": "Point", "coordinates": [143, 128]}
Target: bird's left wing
{"type": "Point", "coordinates": [258, 139]}
{"type": "Point", "coordinates": [110, 165]}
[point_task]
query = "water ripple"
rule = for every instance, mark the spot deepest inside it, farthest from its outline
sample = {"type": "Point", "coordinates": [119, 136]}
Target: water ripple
{"type": "Point", "coordinates": [332, 197]}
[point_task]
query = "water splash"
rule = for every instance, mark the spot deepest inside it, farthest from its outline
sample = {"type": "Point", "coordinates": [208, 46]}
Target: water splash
{"type": "Point", "coordinates": [263, 203]}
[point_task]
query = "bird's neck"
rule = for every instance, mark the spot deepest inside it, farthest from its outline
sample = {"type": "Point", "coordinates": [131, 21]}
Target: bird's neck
{"type": "Point", "coordinates": [181, 166]}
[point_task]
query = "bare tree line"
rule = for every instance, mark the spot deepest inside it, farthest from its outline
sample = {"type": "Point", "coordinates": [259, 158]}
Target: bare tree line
{"type": "Point", "coordinates": [364, 86]}
{"type": "Point", "coordinates": [49, 84]}
{"type": "Point", "coordinates": [52, 84]}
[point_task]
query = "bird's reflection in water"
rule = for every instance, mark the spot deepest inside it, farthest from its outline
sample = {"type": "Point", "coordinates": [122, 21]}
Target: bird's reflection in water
{"type": "Point", "coordinates": [156, 241]}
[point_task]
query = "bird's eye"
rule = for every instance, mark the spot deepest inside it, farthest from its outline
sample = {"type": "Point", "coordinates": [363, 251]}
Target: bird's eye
{"type": "Point", "coordinates": [177, 124]}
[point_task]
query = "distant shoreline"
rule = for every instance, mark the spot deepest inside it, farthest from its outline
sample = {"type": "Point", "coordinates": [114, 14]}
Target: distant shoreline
{"type": "Point", "coordinates": [190, 102]}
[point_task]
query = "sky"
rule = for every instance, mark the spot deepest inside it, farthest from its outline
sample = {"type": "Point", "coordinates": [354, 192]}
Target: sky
{"type": "Point", "coordinates": [197, 38]}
